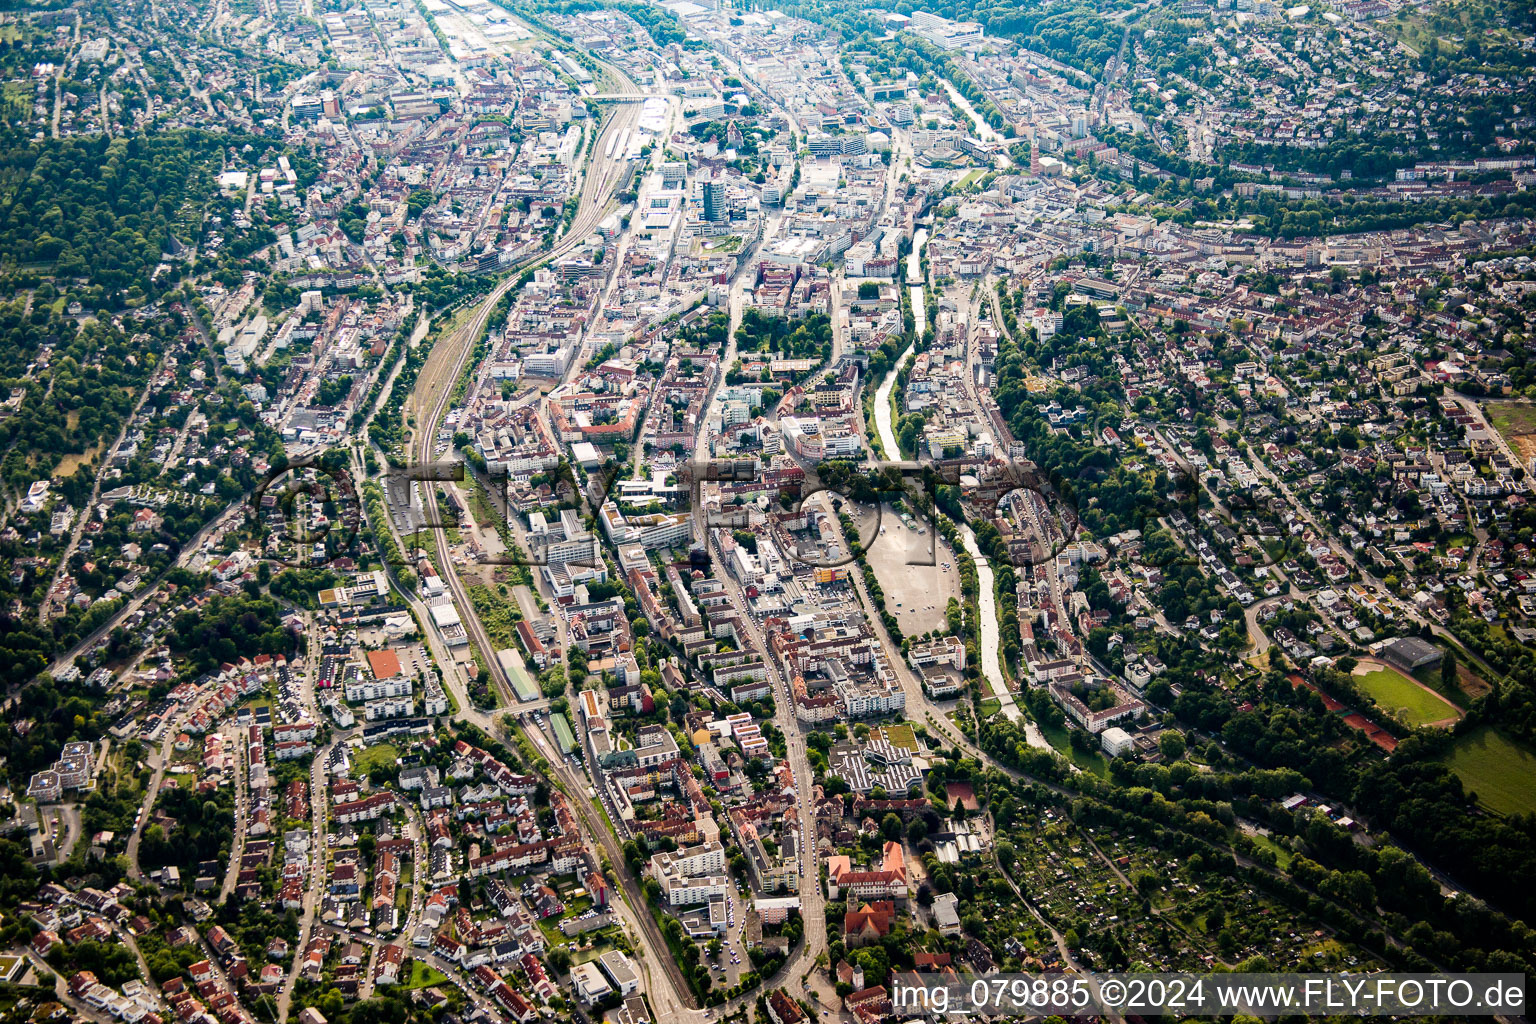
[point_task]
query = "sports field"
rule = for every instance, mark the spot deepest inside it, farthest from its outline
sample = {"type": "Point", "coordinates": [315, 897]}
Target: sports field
{"type": "Point", "coordinates": [1502, 774]}
{"type": "Point", "coordinates": [1403, 697]}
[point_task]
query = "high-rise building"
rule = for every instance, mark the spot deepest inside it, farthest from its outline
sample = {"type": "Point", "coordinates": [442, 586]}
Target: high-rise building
{"type": "Point", "coordinates": [714, 200]}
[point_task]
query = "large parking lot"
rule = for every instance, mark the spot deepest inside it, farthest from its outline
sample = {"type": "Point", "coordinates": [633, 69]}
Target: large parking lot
{"type": "Point", "coordinates": [726, 969]}
{"type": "Point", "coordinates": [916, 594]}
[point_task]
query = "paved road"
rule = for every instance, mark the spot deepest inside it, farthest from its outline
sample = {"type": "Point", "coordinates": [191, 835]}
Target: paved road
{"type": "Point", "coordinates": [160, 759]}
{"type": "Point", "coordinates": [243, 811]}
{"type": "Point", "coordinates": [813, 908]}
{"type": "Point", "coordinates": [47, 976]}
{"type": "Point", "coordinates": [319, 795]}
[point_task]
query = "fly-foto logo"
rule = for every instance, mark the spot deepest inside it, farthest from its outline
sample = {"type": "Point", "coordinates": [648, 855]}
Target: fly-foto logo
{"type": "Point", "coordinates": [568, 541]}
{"type": "Point", "coordinates": [843, 505]}
{"type": "Point", "coordinates": [848, 507]}
{"type": "Point", "coordinates": [851, 506]}
{"type": "Point", "coordinates": [313, 508]}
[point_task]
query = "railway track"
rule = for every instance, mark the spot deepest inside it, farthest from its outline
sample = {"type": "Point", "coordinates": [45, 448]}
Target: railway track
{"type": "Point", "coordinates": [602, 179]}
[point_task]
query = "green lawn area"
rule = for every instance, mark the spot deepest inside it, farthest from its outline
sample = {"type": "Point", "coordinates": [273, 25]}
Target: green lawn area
{"type": "Point", "coordinates": [1451, 24]}
{"type": "Point", "coordinates": [553, 936]}
{"type": "Point", "coordinates": [988, 707]}
{"type": "Point", "coordinates": [901, 736]}
{"type": "Point", "coordinates": [1087, 760]}
{"type": "Point", "coordinates": [1282, 855]}
{"type": "Point", "coordinates": [380, 755]}
{"type": "Point", "coordinates": [1429, 675]}
{"type": "Point", "coordinates": [424, 975]}
{"type": "Point", "coordinates": [717, 245]}
{"type": "Point", "coordinates": [1502, 774]}
{"type": "Point", "coordinates": [586, 954]}
{"type": "Point", "coordinates": [1409, 27]}
{"type": "Point", "coordinates": [424, 540]}
{"type": "Point", "coordinates": [1398, 695]}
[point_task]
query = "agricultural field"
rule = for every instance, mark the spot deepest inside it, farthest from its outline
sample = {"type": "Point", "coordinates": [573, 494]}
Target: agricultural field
{"type": "Point", "coordinates": [1501, 773]}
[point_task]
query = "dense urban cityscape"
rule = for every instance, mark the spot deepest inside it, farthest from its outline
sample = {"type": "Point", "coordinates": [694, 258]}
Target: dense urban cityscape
{"type": "Point", "coordinates": [655, 512]}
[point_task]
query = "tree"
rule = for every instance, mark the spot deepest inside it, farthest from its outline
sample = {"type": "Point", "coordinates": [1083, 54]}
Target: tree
{"type": "Point", "coordinates": [331, 1004]}
{"type": "Point", "coordinates": [381, 1010]}
{"type": "Point", "coordinates": [1448, 670]}
{"type": "Point", "coordinates": [917, 831]}
{"type": "Point", "coordinates": [1172, 745]}
{"type": "Point", "coordinates": [1352, 888]}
